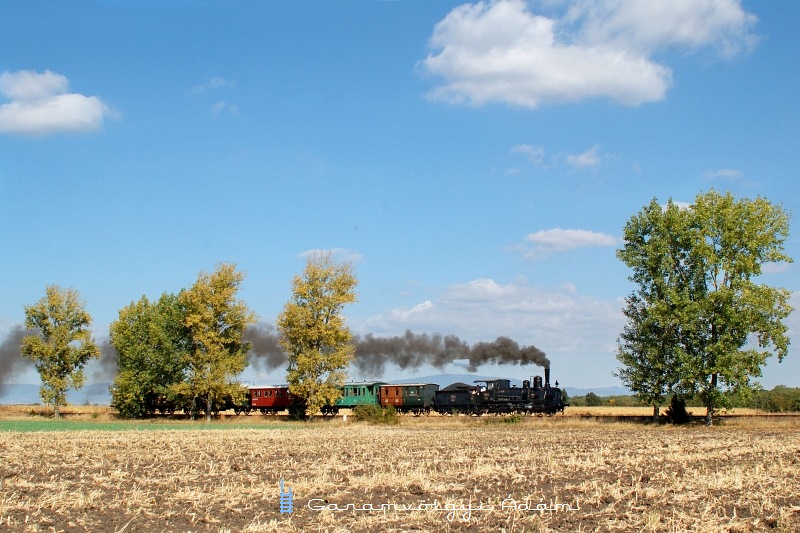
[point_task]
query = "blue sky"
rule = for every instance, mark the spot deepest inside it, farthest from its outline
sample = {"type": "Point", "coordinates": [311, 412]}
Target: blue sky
{"type": "Point", "coordinates": [475, 161]}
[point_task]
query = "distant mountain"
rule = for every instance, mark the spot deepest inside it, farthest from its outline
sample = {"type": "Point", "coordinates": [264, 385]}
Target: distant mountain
{"type": "Point", "coordinates": [28, 393]}
{"type": "Point", "coordinates": [444, 380]}
{"type": "Point", "coordinates": [600, 391]}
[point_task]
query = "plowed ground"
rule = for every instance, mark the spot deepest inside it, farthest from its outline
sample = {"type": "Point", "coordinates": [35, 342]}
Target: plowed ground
{"type": "Point", "coordinates": [351, 477]}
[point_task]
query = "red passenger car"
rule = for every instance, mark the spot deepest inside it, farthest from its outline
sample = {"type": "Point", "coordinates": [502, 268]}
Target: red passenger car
{"type": "Point", "coordinates": [270, 398]}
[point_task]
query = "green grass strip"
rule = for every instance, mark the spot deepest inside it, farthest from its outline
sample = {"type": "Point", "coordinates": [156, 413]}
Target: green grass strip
{"type": "Point", "coordinates": [35, 424]}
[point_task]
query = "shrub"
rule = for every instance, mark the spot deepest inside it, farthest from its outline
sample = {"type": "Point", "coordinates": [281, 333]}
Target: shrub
{"type": "Point", "coordinates": [676, 412]}
{"type": "Point", "coordinates": [375, 414]}
{"type": "Point", "coordinates": [593, 400]}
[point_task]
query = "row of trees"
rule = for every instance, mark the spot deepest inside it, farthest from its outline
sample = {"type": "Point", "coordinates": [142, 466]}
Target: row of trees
{"type": "Point", "coordinates": [186, 349]}
{"type": "Point", "coordinates": [698, 324]}
{"type": "Point", "coordinates": [781, 399]}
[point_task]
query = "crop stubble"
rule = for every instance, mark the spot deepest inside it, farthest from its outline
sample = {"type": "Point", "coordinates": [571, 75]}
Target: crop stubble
{"type": "Point", "coordinates": [621, 477]}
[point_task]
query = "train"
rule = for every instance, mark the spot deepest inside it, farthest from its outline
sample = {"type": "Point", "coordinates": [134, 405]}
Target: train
{"type": "Point", "coordinates": [489, 396]}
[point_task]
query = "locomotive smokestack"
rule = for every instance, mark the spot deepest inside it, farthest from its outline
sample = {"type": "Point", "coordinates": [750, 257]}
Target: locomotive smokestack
{"type": "Point", "coordinates": [547, 376]}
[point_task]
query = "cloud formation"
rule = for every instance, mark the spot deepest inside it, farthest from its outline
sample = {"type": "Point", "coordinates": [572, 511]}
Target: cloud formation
{"type": "Point", "coordinates": [484, 309]}
{"type": "Point", "coordinates": [589, 158]}
{"type": "Point", "coordinates": [500, 51]}
{"type": "Point", "coordinates": [556, 240]}
{"type": "Point", "coordinates": [723, 173]}
{"type": "Point", "coordinates": [40, 104]}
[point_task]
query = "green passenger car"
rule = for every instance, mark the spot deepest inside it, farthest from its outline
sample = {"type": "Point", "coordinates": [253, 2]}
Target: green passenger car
{"type": "Point", "coordinates": [356, 393]}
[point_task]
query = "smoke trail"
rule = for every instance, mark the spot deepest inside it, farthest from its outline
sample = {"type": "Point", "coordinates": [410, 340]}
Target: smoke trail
{"type": "Point", "coordinates": [11, 360]}
{"type": "Point", "coordinates": [414, 350]}
{"type": "Point", "coordinates": [107, 364]}
{"type": "Point", "coordinates": [265, 349]}
{"type": "Point", "coordinates": [408, 351]}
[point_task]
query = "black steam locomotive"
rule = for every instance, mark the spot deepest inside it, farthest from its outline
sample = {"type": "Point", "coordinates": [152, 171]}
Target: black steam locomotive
{"type": "Point", "coordinates": [499, 396]}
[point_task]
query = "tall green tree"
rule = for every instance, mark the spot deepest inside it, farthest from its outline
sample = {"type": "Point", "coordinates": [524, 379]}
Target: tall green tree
{"type": "Point", "coordinates": [63, 344]}
{"type": "Point", "coordinates": [314, 333]}
{"type": "Point", "coordinates": [696, 271]}
{"type": "Point", "coordinates": [647, 350]}
{"type": "Point", "coordinates": [215, 320]}
{"type": "Point", "coordinates": [656, 248]}
{"type": "Point", "coordinates": [152, 343]}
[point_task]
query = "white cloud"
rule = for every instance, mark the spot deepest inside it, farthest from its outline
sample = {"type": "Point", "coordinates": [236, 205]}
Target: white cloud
{"type": "Point", "coordinates": [223, 106]}
{"type": "Point", "coordinates": [649, 25]}
{"type": "Point", "coordinates": [724, 173]}
{"type": "Point", "coordinates": [535, 154]}
{"type": "Point", "coordinates": [40, 105]}
{"type": "Point", "coordinates": [561, 322]}
{"type": "Point", "coordinates": [214, 83]}
{"type": "Point", "coordinates": [339, 254]}
{"type": "Point", "coordinates": [589, 158]}
{"type": "Point", "coordinates": [557, 240]}
{"type": "Point", "coordinates": [775, 268]}
{"type": "Point", "coordinates": [500, 51]}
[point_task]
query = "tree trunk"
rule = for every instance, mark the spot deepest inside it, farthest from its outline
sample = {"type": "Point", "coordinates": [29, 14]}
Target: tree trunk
{"type": "Point", "coordinates": [710, 404]}
{"type": "Point", "coordinates": [56, 412]}
{"type": "Point", "coordinates": [208, 407]}
{"type": "Point", "coordinates": [655, 412]}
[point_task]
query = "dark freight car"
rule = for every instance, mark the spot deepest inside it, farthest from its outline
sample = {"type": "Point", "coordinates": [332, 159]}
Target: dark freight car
{"type": "Point", "coordinates": [458, 398]}
{"type": "Point", "coordinates": [416, 398]}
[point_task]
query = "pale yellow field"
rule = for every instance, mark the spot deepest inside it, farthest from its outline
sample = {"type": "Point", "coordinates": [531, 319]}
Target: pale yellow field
{"type": "Point", "coordinates": [425, 474]}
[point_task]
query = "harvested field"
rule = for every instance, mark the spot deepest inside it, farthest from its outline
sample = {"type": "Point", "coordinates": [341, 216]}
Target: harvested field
{"type": "Point", "coordinates": [426, 474]}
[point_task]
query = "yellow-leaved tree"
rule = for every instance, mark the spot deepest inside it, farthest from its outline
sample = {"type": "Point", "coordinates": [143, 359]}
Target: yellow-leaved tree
{"type": "Point", "coordinates": [216, 320]}
{"type": "Point", "coordinates": [314, 334]}
{"type": "Point", "coordinates": [63, 344]}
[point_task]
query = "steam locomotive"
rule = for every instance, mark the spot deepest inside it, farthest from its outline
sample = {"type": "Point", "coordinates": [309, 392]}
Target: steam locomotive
{"type": "Point", "coordinates": [499, 396]}
{"type": "Point", "coordinates": [488, 396]}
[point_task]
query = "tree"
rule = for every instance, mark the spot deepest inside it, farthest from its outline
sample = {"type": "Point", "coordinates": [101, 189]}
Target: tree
{"type": "Point", "coordinates": [152, 345]}
{"type": "Point", "coordinates": [215, 321]}
{"type": "Point", "coordinates": [63, 344]}
{"type": "Point", "coordinates": [593, 400]}
{"type": "Point", "coordinates": [695, 270]}
{"type": "Point", "coordinates": [656, 248]}
{"type": "Point", "coordinates": [647, 350]}
{"type": "Point", "coordinates": [314, 334]}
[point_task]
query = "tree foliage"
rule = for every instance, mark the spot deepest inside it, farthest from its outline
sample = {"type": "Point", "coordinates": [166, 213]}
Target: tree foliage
{"type": "Point", "coordinates": [698, 322]}
{"type": "Point", "coordinates": [152, 345]}
{"type": "Point", "coordinates": [314, 334]}
{"type": "Point", "coordinates": [215, 321]}
{"type": "Point", "coordinates": [63, 344]}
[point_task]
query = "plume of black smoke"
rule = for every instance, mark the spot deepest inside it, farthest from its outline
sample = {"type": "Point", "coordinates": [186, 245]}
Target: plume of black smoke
{"type": "Point", "coordinates": [413, 350]}
{"type": "Point", "coordinates": [11, 360]}
{"type": "Point", "coordinates": [265, 350]}
{"type": "Point", "coordinates": [408, 351]}
{"type": "Point", "coordinates": [107, 365]}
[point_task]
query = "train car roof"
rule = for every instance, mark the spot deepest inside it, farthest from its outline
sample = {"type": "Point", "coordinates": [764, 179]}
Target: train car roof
{"type": "Point", "coordinates": [408, 384]}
